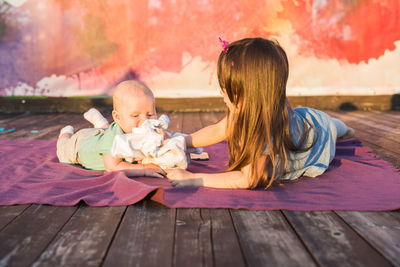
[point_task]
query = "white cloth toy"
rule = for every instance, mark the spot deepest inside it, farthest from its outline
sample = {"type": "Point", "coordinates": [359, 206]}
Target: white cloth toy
{"type": "Point", "coordinates": [145, 144]}
{"type": "Point", "coordinates": [195, 150]}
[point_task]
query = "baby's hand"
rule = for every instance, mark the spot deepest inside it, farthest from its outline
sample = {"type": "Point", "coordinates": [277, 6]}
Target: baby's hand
{"type": "Point", "coordinates": [161, 131]}
{"type": "Point", "coordinates": [153, 170]}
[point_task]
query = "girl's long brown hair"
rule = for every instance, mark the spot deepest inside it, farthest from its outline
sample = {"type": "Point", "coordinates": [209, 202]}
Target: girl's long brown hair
{"type": "Point", "coordinates": [253, 72]}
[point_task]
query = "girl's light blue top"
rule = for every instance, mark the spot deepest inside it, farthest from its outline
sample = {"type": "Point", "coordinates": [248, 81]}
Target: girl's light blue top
{"type": "Point", "coordinates": [314, 161]}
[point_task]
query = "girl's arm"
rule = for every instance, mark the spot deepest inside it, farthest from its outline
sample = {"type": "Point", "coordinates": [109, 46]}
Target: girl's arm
{"type": "Point", "coordinates": [132, 170]}
{"type": "Point", "coordinates": [208, 135]}
{"type": "Point", "coordinates": [231, 180]}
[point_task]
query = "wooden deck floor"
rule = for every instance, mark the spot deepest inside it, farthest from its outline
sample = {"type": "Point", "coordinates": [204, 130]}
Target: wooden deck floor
{"type": "Point", "coordinates": [148, 234]}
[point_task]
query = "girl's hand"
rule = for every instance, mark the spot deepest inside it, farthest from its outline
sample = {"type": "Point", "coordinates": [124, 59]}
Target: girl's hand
{"type": "Point", "coordinates": [179, 174]}
{"type": "Point", "coordinates": [198, 182]}
{"type": "Point", "coordinates": [153, 170]}
{"type": "Point", "coordinates": [182, 178]}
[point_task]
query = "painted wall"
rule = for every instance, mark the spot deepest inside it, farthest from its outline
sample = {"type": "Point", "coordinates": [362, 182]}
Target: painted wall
{"type": "Point", "coordinates": [84, 47]}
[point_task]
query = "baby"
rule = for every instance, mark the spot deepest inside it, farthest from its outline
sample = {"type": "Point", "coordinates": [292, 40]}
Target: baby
{"type": "Point", "coordinates": [133, 104]}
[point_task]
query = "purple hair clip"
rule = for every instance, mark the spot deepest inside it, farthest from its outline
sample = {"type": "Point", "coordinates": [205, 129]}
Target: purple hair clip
{"type": "Point", "coordinates": [224, 47]}
{"type": "Point", "coordinates": [224, 44]}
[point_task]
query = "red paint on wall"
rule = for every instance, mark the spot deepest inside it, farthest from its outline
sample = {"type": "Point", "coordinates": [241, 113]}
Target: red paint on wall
{"type": "Point", "coordinates": [100, 42]}
{"type": "Point", "coordinates": [110, 38]}
{"type": "Point", "coordinates": [351, 30]}
{"type": "Point", "coordinates": [156, 35]}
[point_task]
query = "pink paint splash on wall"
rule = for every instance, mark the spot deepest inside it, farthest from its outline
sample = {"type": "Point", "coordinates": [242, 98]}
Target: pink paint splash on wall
{"type": "Point", "coordinates": [156, 33]}
{"type": "Point", "coordinates": [354, 31]}
{"type": "Point", "coordinates": [97, 43]}
{"type": "Point", "coordinates": [109, 39]}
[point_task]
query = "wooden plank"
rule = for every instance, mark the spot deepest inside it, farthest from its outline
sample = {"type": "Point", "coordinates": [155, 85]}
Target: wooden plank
{"type": "Point", "coordinates": [331, 241]}
{"type": "Point", "coordinates": [386, 149]}
{"type": "Point", "coordinates": [385, 117]}
{"type": "Point", "coordinates": [206, 237]}
{"type": "Point", "coordinates": [211, 231]}
{"type": "Point", "coordinates": [145, 237]}
{"type": "Point", "coordinates": [380, 229]}
{"type": "Point", "coordinates": [386, 143]}
{"type": "Point", "coordinates": [193, 228]}
{"type": "Point", "coordinates": [225, 243]}
{"type": "Point", "coordinates": [382, 149]}
{"type": "Point", "coordinates": [9, 213]}
{"type": "Point", "coordinates": [176, 121]}
{"type": "Point", "coordinates": [8, 121]}
{"type": "Point", "coordinates": [395, 115]}
{"type": "Point", "coordinates": [380, 130]}
{"type": "Point", "coordinates": [25, 124]}
{"type": "Point", "coordinates": [369, 126]}
{"type": "Point", "coordinates": [378, 117]}
{"type": "Point", "coordinates": [23, 240]}
{"type": "Point", "coordinates": [52, 130]}
{"type": "Point", "coordinates": [47, 125]}
{"type": "Point", "coordinates": [193, 245]}
{"type": "Point", "coordinates": [8, 118]}
{"type": "Point", "coordinates": [75, 120]}
{"type": "Point", "coordinates": [384, 153]}
{"type": "Point", "coordinates": [208, 118]}
{"type": "Point", "coordinates": [191, 122]}
{"type": "Point", "coordinates": [396, 214]}
{"type": "Point", "coordinates": [84, 239]}
{"type": "Point", "coordinates": [267, 239]}
{"type": "Point", "coordinates": [380, 121]}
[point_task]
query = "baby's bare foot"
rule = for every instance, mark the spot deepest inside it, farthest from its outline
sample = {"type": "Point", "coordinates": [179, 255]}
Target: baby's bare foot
{"type": "Point", "coordinates": [349, 134]}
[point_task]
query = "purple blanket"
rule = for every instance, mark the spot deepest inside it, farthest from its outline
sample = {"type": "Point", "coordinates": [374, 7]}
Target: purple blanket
{"type": "Point", "coordinates": [356, 180]}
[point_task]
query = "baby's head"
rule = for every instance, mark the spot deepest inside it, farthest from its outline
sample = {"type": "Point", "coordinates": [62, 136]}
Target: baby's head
{"type": "Point", "coordinates": [133, 104]}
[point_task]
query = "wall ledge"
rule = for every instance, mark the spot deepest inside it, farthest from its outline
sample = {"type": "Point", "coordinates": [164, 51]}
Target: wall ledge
{"type": "Point", "coordinates": [42, 104]}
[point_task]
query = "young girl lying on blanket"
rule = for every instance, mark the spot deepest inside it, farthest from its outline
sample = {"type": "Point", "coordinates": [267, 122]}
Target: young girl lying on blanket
{"type": "Point", "coordinates": [268, 140]}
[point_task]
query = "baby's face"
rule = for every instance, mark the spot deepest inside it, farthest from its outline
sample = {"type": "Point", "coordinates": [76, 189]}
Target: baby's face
{"type": "Point", "coordinates": [134, 110]}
